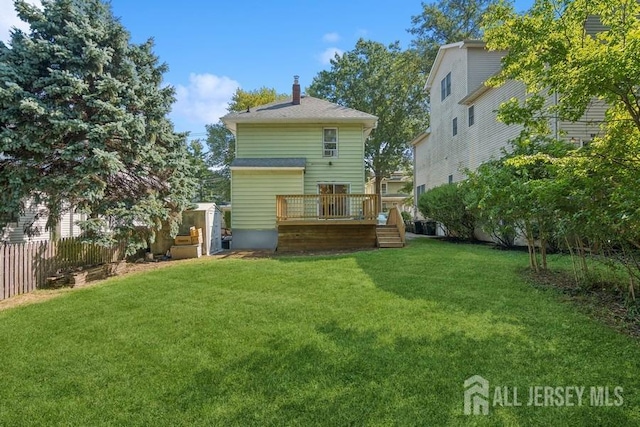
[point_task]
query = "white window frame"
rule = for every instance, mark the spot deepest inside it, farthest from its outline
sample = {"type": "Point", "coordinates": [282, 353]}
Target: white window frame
{"type": "Point", "coordinates": [383, 188]}
{"type": "Point", "coordinates": [330, 152]}
{"type": "Point", "coordinates": [471, 112]}
{"type": "Point", "coordinates": [454, 126]}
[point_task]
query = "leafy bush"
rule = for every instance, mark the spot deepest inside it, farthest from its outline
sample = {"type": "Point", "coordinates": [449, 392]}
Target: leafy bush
{"type": "Point", "coordinates": [446, 204]}
{"type": "Point", "coordinates": [406, 216]}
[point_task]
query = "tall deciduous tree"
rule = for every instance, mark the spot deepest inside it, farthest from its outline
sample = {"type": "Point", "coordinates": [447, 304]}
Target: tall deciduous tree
{"type": "Point", "coordinates": [559, 46]}
{"type": "Point", "coordinates": [222, 143]}
{"type": "Point", "coordinates": [83, 124]}
{"type": "Point", "coordinates": [446, 21]}
{"type": "Point", "coordinates": [383, 81]}
{"type": "Point", "coordinates": [243, 99]}
{"type": "Point", "coordinates": [208, 187]}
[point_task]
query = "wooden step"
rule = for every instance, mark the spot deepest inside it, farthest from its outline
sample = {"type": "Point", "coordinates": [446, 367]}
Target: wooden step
{"type": "Point", "coordinates": [388, 237]}
{"type": "Point", "coordinates": [391, 245]}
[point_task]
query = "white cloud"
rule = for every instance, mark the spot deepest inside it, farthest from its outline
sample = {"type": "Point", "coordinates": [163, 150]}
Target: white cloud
{"type": "Point", "coordinates": [9, 18]}
{"type": "Point", "coordinates": [205, 99]}
{"type": "Point", "coordinates": [328, 54]}
{"type": "Point", "coordinates": [331, 38]}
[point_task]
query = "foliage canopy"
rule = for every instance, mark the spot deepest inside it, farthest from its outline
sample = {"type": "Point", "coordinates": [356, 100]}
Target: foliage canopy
{"type": "Point", "coordinates": [83, 124]}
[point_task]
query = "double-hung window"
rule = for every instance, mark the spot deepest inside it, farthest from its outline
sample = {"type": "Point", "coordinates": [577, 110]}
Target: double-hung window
{"type": "Point", "coordinates": [445, 87]}
{"type": "Point", "coordinates": [330, 142]}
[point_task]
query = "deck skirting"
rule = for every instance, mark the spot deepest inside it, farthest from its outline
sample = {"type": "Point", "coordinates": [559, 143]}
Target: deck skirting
{"type": "Point", "coordinates": [325, 235]}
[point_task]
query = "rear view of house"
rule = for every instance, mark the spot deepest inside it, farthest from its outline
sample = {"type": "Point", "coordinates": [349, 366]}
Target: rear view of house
{"type": "Point", "coordinates": [299, 175]}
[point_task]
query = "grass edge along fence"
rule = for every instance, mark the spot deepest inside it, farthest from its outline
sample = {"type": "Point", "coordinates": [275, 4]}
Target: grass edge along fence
{"type": "Point", "coordinates": [24, 267]}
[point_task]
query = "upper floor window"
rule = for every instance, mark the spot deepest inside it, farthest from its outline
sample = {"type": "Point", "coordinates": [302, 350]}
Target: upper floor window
{"type": "Point", "coordinates": [330, 142]}
{"type": "Point", "coordinates": [445, 87]}
{"type": "Point", "coordinates": [455, 126]}
{"type": "Point", "coordinates": [450, 179]}
{"type": "Point", "coordinates": [472, 115]}
{"type": "Point", "coordinates": [383, 188]}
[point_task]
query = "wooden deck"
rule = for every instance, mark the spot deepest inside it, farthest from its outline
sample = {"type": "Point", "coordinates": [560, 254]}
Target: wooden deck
{"type": "Point", "coordinates": [326, 221]}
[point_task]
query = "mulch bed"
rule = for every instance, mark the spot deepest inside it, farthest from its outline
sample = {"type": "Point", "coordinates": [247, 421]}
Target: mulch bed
{"type": "Point", "coordinates": [603, 303]}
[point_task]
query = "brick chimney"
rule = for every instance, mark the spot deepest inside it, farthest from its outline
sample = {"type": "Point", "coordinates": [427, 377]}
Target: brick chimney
{"type": "Point", "coordinates": [296, 91]}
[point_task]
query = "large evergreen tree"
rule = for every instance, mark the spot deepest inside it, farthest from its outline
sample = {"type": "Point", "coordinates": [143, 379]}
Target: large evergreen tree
{"type": "Point", "coordinates": [83, 124]}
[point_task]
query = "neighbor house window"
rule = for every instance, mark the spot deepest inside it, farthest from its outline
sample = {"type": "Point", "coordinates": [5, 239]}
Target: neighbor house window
{"type": "Point", "coordinates": [330, 142]}
{"type": "Point", "coordinates": [419, 190]}
{"type": "Point", "coordinates": [455, 126]}
{"type": "Point", "coordinates": [472, 115]}
{"type": "Point", "coordinates": [450, 179]}
{"type": "Point", "coordinates": [383, 188]}
{"type": "Point", "coordinates": [445, 87]}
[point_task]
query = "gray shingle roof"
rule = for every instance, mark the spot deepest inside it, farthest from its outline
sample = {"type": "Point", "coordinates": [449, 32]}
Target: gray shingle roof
{"type": "Point", "coordinates": [310, 109]}
{"type": "Point", "coordinates": [287, 162]}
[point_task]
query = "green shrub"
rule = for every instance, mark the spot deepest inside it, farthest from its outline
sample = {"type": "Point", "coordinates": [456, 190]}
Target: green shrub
{"type": "Point", "coordinates": [446, 204]}
{"type": "Point", "coordinates": [406, 216]}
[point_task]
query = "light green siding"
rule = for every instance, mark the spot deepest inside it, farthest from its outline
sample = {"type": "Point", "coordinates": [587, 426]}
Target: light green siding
{"type": "Point", "coordinates": [253, 196]}
{"type": "Point", "coordinates": [305, 140]}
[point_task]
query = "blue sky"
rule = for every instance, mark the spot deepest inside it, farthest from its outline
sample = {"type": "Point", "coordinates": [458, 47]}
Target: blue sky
{"type": "Point", "coordinates": [213, 47]}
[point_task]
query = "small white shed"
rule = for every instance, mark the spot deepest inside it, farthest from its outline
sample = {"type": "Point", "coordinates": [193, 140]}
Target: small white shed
{"type": "Point", "coordinates": [208, 217]}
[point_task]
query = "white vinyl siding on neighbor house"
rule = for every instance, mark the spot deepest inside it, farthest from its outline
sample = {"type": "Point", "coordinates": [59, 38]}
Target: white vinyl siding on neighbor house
{"type": "Point", "coordinates": [441, 157]}
{"type": "Point", "coordinates": [481, 64]}
{"type": "Point", "coordinates": [68, 226]}
{"type": "Point", "coordinates": [489, 136]}
{"type": "Point", "coordinates": [14, 231]}
{"type": "Point", "coordinates": [303, 141]}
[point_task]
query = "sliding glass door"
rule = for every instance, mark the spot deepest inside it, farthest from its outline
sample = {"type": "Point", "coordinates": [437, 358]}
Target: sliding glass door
{"type": "Point", "coordinates": [333, 202]}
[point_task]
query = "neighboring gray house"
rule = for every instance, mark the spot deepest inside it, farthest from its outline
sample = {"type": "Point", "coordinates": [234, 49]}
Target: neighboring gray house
{"type": "Point", "coordinates": [464, 130]}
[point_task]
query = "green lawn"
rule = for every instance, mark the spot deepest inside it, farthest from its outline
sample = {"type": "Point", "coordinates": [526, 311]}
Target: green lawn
{"type": "Point", "coordinates": [371, 338]}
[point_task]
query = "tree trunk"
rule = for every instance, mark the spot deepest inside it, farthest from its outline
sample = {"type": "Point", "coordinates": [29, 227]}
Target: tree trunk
{"type": "Point", "coordinates": [583, 256]}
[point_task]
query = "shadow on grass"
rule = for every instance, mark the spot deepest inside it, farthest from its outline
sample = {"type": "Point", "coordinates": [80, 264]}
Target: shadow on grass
{"type": "Point", "coordinates": [343, 376]}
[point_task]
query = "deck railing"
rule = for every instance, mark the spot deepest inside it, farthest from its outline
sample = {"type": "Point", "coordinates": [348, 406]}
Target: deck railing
{"type": "Point", "coordinates": [327, 206]}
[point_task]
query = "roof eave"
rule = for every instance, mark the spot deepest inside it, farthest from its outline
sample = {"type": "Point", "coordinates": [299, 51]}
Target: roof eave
{"type": "Point", "coordinates": [369, 124]}
{"type": "Point", "coordinates": [440, 55]}
{"type": "Point", "coordinates": [418, 139]}
{"type": "Point", "coordinates": [280, 168]}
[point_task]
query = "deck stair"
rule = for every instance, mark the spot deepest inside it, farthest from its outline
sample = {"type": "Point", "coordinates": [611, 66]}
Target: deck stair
{"type": "Point", "coordinates": [388, 236]}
